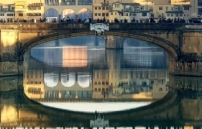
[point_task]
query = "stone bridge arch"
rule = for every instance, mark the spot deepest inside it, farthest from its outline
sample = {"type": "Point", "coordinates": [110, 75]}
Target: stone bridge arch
{"type": "Point", "coordinates": [168, 46]}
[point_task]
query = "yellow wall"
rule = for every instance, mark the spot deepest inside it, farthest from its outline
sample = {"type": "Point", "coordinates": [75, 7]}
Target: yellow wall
{"type": "Point", "coordinates": [27, 1]}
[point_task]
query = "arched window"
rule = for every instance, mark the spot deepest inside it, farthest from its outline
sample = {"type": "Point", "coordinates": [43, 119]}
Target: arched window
{"type": "Point", "coordinates": [51, 79]}
{"type": "Point", "coordinates": [68, 80]}
{"type": "Point", "coordinates": [84, 80]}
{"type": "Point", "coordinates": [84, 14]}
{"type": "Point", "coordinates": [68, 14]}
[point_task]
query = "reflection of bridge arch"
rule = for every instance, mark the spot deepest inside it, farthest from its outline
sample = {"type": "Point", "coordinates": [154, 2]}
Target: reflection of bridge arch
{"type": "Point", "coordinates": [172, 111]}
{"type": "Point", "coordinates": [68, 13]}
{"type": "Point", "coordinates": [51, 79]}
{"type": "Point", "coordinates": [67, 79]}
{"type": "Point", "coordinates": [84, 13]}
{"type": "Point", "coordinates": [84, 80]}
{"type": "Point", "coordinates": [51, 15]}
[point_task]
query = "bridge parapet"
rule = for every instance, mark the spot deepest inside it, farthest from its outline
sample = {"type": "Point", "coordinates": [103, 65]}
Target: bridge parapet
{"type": "Point", "coordinates": [182, 41]}
{"type": "Point", "coordinates": [112, 26]}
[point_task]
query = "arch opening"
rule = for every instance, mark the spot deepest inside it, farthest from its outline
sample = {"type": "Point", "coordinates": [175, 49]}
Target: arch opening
{"type": "Point", "coordinates": [68, 14]}
{"type": "Point", "coordinates": [84, 14]}
{"type": "Point", "coordinates": [51, 15]}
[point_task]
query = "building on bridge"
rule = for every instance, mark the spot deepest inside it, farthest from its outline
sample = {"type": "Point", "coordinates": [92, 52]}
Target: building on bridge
{"type": "Point", "coordinates": [68, 9]}
{"type": "Point", "coordinates": [128, 12]}
{"type": "Point", "coordinates": [28, 11]}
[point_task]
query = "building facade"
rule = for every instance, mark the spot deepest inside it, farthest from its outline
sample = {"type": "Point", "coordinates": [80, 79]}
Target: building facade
{"type": "Point", "coordinates": [7, 12]}
{"type": "Point", "coordinates": [68, 9]}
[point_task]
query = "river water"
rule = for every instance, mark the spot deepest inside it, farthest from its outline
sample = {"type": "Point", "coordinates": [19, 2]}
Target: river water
{"type": "Point", "coordinates": [79, 75]}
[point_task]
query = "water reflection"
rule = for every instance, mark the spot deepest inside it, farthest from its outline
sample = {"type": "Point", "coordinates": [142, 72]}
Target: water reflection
{"type": "Point", "coordinates": [180, 108]}
{"type": "Point", "coordinates": [87, 72]}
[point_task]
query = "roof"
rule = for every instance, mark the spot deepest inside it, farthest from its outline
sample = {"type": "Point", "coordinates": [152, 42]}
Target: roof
{"type": "Point", "coordinates": [132, 4]}
{"type": "Point", "coordinates": [174, 11]}
{"type": "Point", "coordinates": [35, 5]}
{"type": "Point", "coordinates": [159, 2]}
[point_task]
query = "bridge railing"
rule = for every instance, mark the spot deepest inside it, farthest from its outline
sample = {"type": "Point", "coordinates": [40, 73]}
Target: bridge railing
{"type": "Point", "coordinates": [112, 26]}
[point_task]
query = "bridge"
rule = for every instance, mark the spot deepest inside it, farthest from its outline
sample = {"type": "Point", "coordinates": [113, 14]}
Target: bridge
{"type": "Point", "coordinates": [179, 108]}
{"type": "Point", "coordinates": [181, 41]}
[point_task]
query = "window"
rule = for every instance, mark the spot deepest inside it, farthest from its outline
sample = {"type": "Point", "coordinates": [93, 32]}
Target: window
{"type": "Point", "coordinates": [95, 14]}
{"type": "Point", "coordinates": [199, 2]}
{"type": "Point", "coordinates": [186, 8]}
{"type": "Point", "coordinates": [84, 2]}
{"type": "Point", "coordinates": [107, 14]}
{"type": "Point", "coordinates": [200, 11]}
{"type": "Point", "coordinates": [144, 14]}
{"type": "Point", "coordinates": [166, 8]}
{"type": "Point", "coordinates": [117, 5]}
{"type": "Point", "coordinates": [160, 8]}
{"type": "Point", "coordinates": [10, 14]}
{"type": "Point", "coordinates": [103, 8]}
{"type": "Point", "coordinates": [95, 8]}
{"type": "Point", "coordinates": [103, 14]}
{"type": "Point", "coordinates": [172, 8]}
{"type": "Point", "coordinates": [20, 14]}
{"type": "Point", "coordinates": [54, 2]}
{"type": "Point", "coordinates": [1, 14]}
{"type": "Point", "coordinates": [168, 15]}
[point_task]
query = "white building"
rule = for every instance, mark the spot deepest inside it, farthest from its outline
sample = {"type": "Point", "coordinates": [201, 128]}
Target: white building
{"type": "Point", "coordinates": [7, 13]}
{"type": "Point", "coordinates": [128, 12]}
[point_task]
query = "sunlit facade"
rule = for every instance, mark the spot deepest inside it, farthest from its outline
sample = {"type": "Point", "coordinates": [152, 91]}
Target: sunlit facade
{"type": "Point", "coordinates": [29, 11]}
{"type": "Point", "coordinates": [101, 10]}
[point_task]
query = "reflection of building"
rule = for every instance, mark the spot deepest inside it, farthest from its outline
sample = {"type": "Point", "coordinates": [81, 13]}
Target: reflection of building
{"type": "Point", "coordinates": [74, 56]}
{"type": "Point", "coordinates": [131, 84]}
{"type": "Point", "coordinates": [137, 72]}
{"type": "Point", "coordinates": [34, 84]}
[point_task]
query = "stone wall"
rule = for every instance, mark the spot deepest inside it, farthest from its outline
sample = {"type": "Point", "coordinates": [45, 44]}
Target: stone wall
{"type": "Point", "coordinates": [183, 44]}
